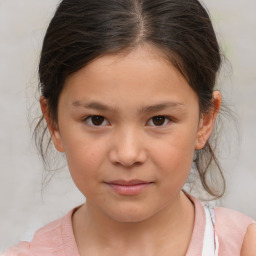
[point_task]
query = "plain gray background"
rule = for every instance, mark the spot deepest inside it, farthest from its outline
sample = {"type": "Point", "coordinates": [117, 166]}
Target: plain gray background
{"type": "Point", "coordinates": [23, 208]}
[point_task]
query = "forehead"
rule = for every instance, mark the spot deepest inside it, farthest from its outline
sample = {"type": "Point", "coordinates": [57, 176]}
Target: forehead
{"type": "Point", "coordinates": [142, 56]}
{"type": "Point", "coordinates": [138, 76]}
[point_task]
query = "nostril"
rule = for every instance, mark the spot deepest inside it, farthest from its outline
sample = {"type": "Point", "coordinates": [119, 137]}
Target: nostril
{"type": "Point", "coordinates": [127, 158]}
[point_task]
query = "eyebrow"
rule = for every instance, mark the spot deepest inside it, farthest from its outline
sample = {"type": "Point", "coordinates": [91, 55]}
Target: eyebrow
{"type": "Point", "coordinates": [161, 106]}
{"type": "Point", "coordinates": [146, 109]}
{"type": "Point", "coordinates": [93, 105]}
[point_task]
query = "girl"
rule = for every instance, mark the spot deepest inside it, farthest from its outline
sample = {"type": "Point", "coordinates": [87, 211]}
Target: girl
{"type": "Point", "coordinates": [128, 95]}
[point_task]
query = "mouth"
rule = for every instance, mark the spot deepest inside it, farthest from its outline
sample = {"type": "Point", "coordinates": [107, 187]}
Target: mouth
{"type": "Point", "coordinates": [128, 187]}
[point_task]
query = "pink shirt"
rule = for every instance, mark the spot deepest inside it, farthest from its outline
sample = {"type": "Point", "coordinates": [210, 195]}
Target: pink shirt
{"type": "Point", "coordinates": [57, 238]}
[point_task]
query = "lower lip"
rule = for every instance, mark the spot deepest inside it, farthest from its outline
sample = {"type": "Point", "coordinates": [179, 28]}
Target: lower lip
{"type": "Point", "coordinates": [129, 190]}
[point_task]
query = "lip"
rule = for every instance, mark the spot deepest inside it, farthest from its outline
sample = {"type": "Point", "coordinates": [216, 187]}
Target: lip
{"type": "Point", "coordinates": [128, 187]}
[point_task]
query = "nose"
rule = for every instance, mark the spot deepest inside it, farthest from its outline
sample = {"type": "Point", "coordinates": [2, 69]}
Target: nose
{"type": "Point", "coordinates": [127, 149]}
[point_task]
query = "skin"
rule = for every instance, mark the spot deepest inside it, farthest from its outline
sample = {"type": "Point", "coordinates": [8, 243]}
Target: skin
{"type": "Point", "coordinates": [129, 145]}
{"type": "Point", "coordinates": [249, 243]}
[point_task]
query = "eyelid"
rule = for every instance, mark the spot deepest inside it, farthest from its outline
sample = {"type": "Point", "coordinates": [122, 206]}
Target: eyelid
{"type": "Point", "coordinates": [89, 123]}
{"type": "Point", "coordinates": [166, 118]}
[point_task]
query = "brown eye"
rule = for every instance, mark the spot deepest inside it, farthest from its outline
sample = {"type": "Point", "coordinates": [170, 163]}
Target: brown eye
{"type": "Point", "coordinates": [96, 121]}
{"type": "Point", "coordinates": [159, 121]}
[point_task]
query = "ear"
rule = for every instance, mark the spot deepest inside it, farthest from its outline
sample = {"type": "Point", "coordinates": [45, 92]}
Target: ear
{"type": "Point", "coordinates": [52, 125]}
{"type": "Point", "coordinates": [207, 121]}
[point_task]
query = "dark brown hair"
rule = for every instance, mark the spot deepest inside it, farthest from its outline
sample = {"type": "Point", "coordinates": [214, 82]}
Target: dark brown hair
{"type": "Point", "coordinates": [82, 30]}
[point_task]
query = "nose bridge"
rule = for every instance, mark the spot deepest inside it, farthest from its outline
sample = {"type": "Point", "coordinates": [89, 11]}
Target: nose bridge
{"type": "Point", "coordinates": [128, 147]}
{"type": "Point", "coordinates": [129, 139]}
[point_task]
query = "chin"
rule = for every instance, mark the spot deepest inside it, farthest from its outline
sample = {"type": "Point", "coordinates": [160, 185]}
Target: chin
{"type": "Point", "coordinates": [130, 215]}
{"type": "Point", "coordinates": [131, 218]}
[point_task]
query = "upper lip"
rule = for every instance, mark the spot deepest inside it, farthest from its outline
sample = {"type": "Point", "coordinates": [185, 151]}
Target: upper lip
{"type": "Point", "coordinates": [127, 182]}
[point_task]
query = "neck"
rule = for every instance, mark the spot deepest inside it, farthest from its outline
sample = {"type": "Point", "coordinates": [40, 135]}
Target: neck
{"type": "Point", "coordinates": [165, 228]}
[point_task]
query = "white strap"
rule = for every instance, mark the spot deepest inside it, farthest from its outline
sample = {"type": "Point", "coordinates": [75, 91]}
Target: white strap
{"type": "Point", "coordinates": [210, 244]}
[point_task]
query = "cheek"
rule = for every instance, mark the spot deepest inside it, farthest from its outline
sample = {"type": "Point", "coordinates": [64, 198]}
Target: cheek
{"type": "Point", "coordinates": [175, 155]}
{"type": "Point", "coordinates": [174, 171]}
{"type": "Point", "coordinates": [82, 151]}
{"type": "Point", "coordinates": [176, 160]}
{"type": "Point", "coordinates": [84, 170]}
{"type": "Point", "coordinates": [84, 161]}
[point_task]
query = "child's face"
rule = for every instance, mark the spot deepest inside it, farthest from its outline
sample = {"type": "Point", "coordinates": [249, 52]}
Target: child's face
{"type": "Point", "coordinates": [126, 142]}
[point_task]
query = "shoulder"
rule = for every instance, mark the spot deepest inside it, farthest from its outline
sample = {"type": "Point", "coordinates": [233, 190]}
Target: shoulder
{"type": "Point", "coordinates": [48, 240]}
{"type": "Point", "coordinates": [249, 243]}
{"type": "Point", "coordinates": [46, 237]}
{"type": "Point", "coordinates": [231, 219]}
{"type": "Point", "coordinates": [22, 249]}
{"type": "Point", "coordinates": [231, 227]}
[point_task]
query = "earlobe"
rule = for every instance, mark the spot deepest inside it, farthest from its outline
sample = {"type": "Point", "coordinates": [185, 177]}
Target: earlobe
{"type": "Point", "coordinates": [52, 125]}
{"type": "Point", "coordinates": [207, 121]}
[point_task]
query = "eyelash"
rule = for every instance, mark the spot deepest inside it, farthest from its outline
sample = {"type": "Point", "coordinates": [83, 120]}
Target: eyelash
{"type": "Point", "coordinates": [167, 120]}
{"type": "Point", "coordinates": [89, 121]}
